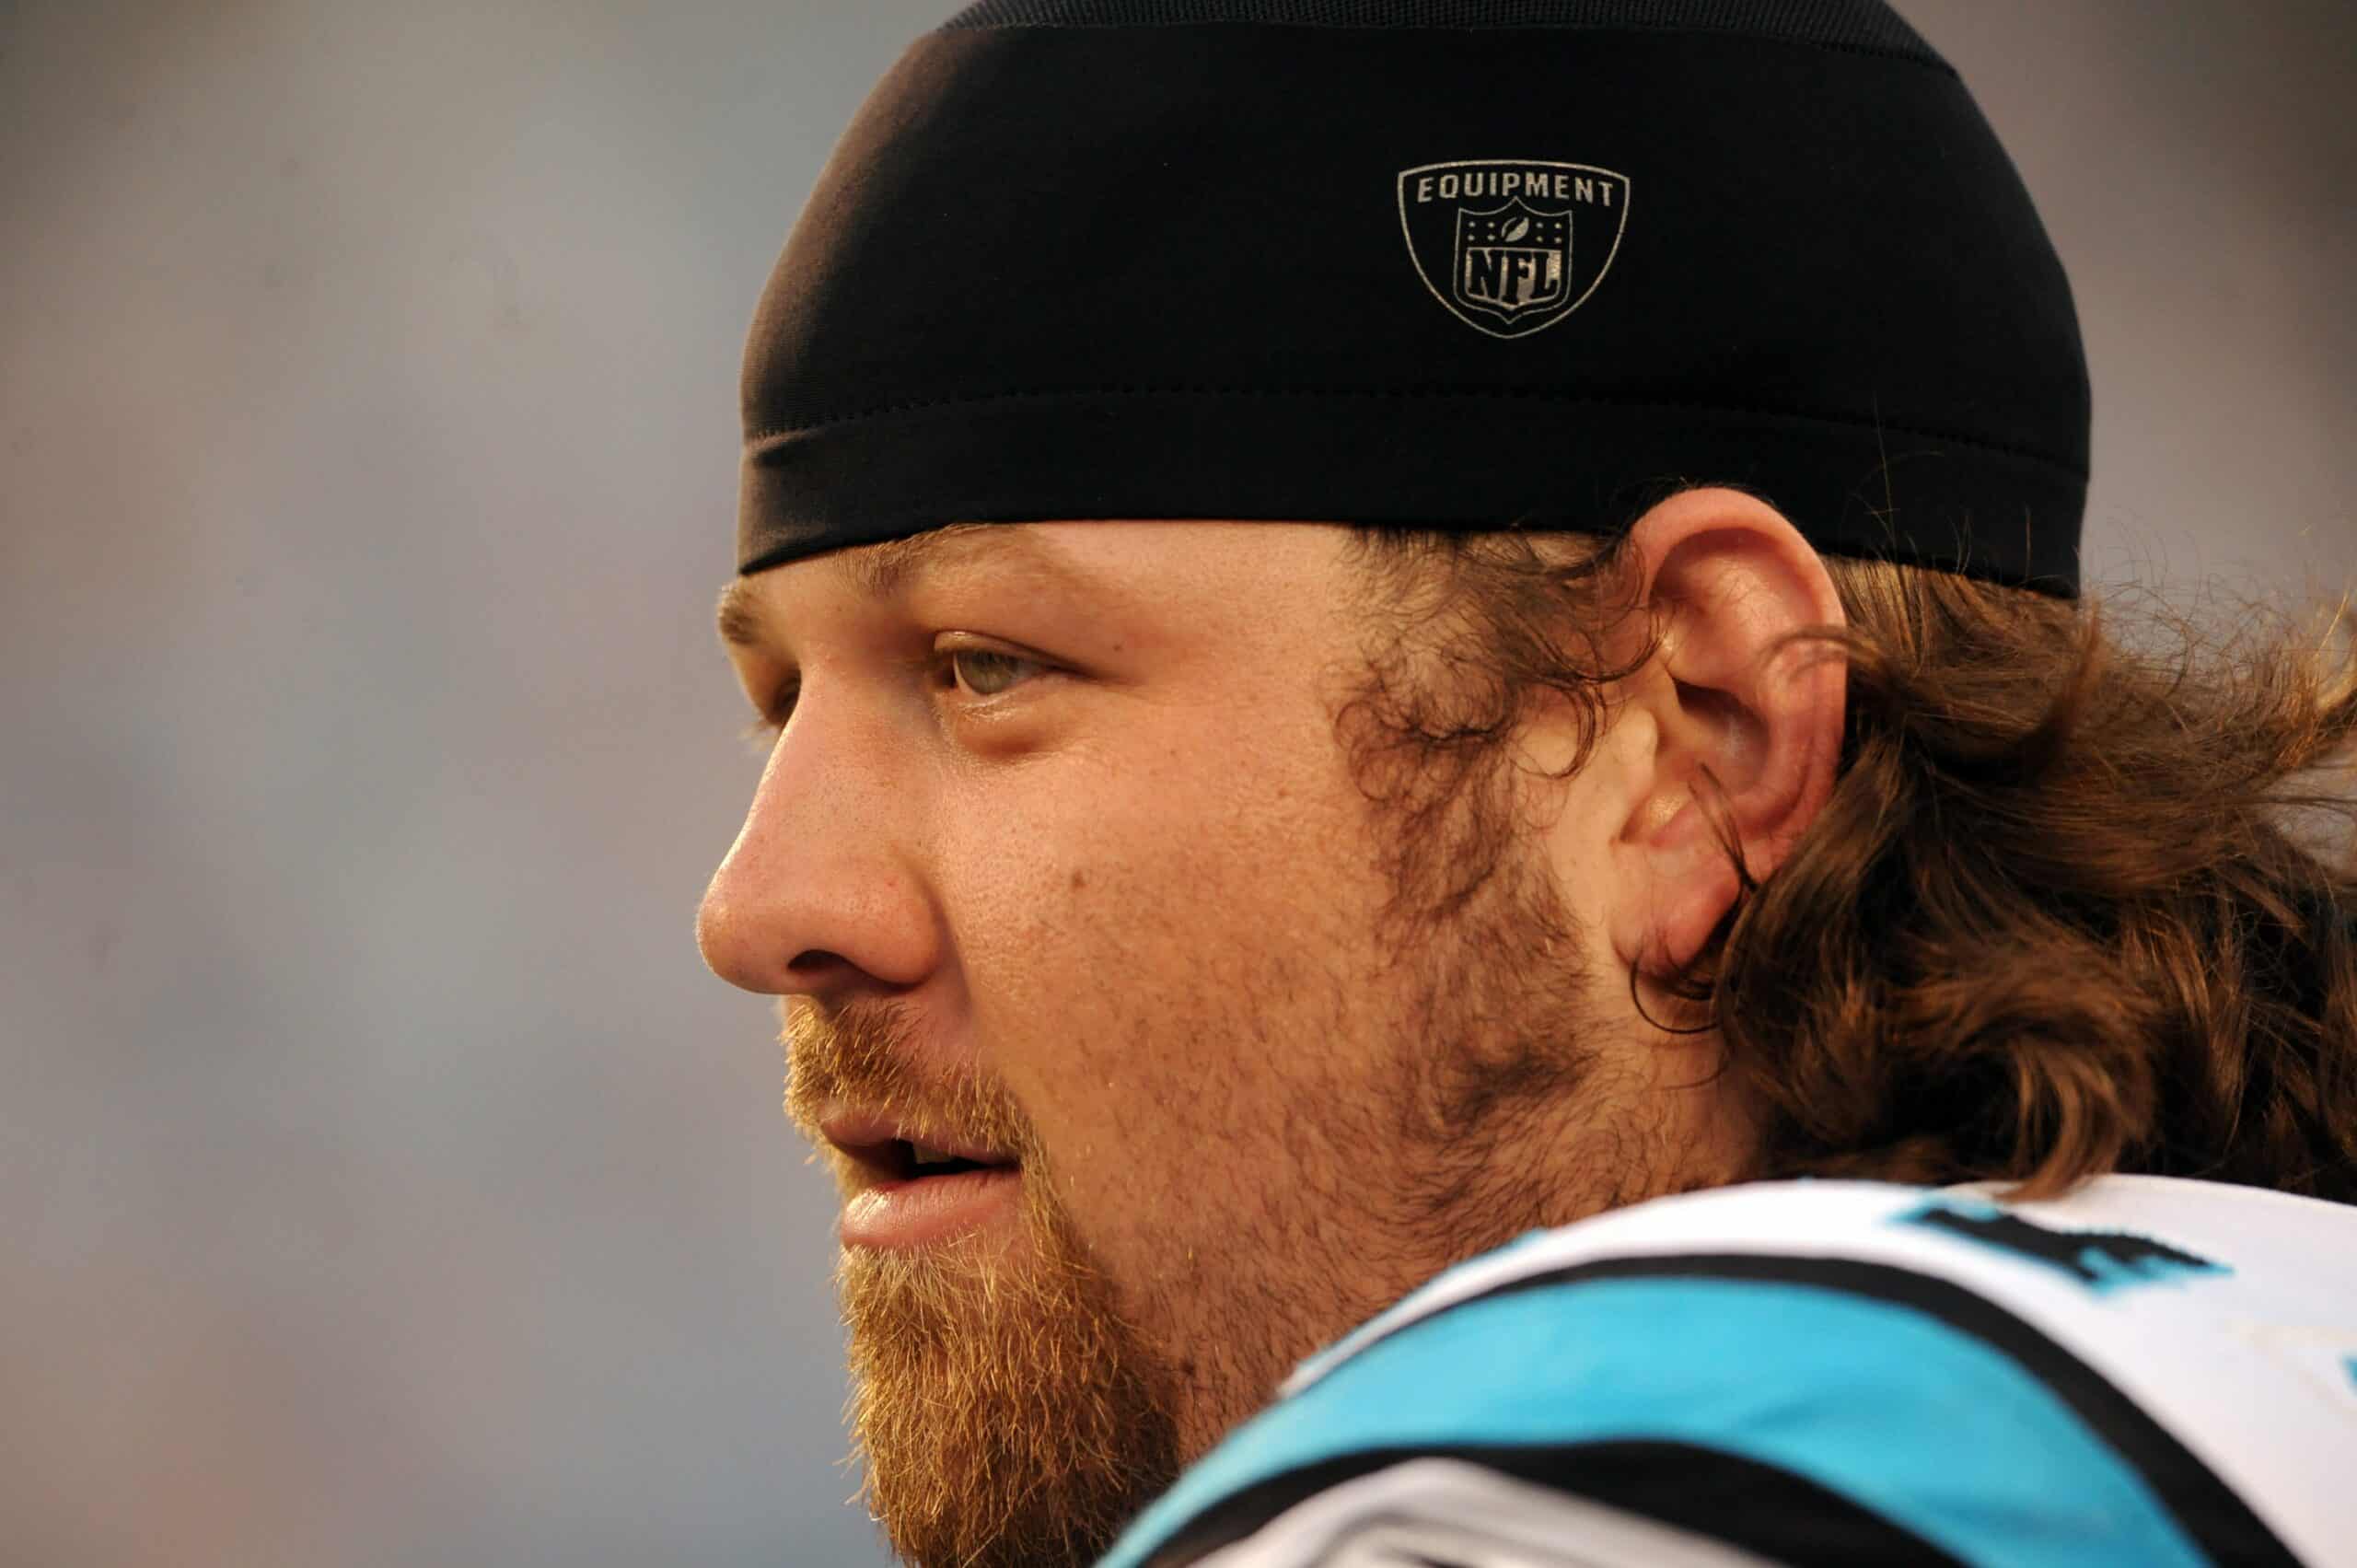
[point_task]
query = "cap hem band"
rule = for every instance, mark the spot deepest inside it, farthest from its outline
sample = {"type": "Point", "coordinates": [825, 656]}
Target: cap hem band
{"type": "Point", "coordinates": [1368, 457]}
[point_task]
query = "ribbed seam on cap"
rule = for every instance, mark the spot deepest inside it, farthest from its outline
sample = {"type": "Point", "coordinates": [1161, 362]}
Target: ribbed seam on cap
{"type": "Point", "coordinates": [1865, 25]}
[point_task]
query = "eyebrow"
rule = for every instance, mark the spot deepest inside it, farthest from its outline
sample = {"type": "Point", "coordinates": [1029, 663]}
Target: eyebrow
{"type": "Point", "coordinates": [882, 571]}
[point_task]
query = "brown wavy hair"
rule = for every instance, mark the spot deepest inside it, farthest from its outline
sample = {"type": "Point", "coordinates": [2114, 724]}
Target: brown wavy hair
{"type": "Point", "coordinates": [2079, 902]}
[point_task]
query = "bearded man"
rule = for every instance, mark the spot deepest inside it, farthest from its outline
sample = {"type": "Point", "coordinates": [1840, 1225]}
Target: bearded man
{"type": "Point", "coordinates": [1454, 874]}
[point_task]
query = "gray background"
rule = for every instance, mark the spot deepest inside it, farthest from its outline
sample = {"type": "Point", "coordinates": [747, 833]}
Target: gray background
{"type": "Point", "coordinates": [382, 1177]}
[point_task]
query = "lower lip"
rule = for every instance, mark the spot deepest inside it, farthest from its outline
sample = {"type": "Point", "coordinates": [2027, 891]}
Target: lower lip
{"type": "Point", "coordinates": [930, 1208]}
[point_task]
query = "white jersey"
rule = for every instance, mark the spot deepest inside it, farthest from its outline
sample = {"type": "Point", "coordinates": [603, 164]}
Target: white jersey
{"type": "Point", "coordinates": [2149, 1371]}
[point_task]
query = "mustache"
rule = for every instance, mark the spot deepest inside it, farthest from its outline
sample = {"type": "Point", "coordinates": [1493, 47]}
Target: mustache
{"type": "Point", "coordinates": [867, 1055]}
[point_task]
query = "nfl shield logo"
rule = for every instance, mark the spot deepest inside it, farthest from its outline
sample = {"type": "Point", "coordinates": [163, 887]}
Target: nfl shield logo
{"type": "Point", "coordinates": [1511, 246]}
{"type": "Point", "coordinates": [1512, 260]}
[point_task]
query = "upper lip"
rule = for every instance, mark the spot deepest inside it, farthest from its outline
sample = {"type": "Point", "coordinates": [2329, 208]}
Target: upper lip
{"type": "Point", "coordinates": [875, 1141]}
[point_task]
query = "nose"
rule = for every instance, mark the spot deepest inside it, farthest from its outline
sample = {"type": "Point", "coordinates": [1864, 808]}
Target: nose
{"type": "Point", "coordinates": [818, 886]}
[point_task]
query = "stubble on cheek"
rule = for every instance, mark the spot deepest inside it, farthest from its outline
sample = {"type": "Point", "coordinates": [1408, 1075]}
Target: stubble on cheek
{"type": "Point", "coordinates": [1006, 1413]}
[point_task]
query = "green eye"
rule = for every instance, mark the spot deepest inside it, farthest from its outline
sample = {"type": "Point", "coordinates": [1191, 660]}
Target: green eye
{"type": "Point", "coordinates": [981, 675]}
{"type": "Point", "coordinates": [985, 666]}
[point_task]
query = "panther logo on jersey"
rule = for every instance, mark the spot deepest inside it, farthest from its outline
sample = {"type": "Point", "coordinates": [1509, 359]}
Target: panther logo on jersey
{"type": "Point", "coordinates": [2100, 1259]}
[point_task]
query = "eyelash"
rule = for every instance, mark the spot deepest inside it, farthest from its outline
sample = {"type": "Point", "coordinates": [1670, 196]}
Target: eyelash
{"type": "Point", "coordinates": [763, 733]}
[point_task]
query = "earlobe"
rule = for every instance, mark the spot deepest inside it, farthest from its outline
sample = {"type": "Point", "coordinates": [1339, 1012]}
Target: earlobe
{"type": "Point", "coordinates": [1745, 735]}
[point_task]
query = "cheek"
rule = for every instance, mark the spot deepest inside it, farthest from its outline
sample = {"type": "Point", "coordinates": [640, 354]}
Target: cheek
{"type": "Point", "coordinates": [1104, 1021]}
{"type": "Point", "coordinates": [1158, 972]}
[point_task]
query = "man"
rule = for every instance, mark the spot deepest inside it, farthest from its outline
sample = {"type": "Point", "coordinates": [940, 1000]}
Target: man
{"type": "Point", "coordinates": [1397, 627]}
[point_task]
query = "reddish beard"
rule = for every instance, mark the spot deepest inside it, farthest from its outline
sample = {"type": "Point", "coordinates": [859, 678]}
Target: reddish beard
{"type": "Point", "coordinates": [1006, 1414]}
{"type": "Point", "coordinates": [1012, 1416]}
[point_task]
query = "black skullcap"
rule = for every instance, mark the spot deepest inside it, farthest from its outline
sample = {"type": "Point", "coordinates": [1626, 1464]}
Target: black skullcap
{"type": "Point", "coordinates": [1457, 263]}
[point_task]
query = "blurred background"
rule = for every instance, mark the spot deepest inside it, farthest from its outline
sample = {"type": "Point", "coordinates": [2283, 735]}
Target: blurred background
{"type": "Point", "coordinates": [383, 1180]}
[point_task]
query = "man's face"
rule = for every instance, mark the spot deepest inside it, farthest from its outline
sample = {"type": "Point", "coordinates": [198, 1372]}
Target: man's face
{"type": "Point", "coordinates": [1118, 920]}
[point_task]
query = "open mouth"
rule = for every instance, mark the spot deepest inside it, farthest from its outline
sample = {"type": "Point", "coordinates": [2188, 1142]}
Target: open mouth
{"type": "Point", "coordinates": [909, 1193]}
{"type": "Point", "coordinates": [912, 1161]}
{"type": "Point", "coordinates": [896, 1160]}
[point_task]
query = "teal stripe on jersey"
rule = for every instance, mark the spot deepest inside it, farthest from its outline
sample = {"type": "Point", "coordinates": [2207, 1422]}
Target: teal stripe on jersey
{"type": "Point", "coordinates": [1924, 1425]}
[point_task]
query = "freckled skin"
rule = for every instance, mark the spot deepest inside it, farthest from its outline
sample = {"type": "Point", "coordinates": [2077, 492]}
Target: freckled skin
{"type": "Point", "coordinates": [1138, 923]}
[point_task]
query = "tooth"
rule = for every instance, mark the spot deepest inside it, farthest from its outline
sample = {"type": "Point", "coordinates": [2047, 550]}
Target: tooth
{"type": "Point", "coordinates": [925, 1153]}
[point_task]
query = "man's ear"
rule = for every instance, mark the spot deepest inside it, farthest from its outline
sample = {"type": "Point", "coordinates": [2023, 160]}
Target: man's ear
{"type": "Point", "coordinates": [1726, 575]}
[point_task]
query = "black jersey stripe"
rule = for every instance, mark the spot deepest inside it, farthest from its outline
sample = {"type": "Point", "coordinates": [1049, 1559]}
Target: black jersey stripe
{"type": "Point", "coordinates": [2211, 1511]}
{"type": "Point", "coordinates": [1762, 1509]}
{"type": "Point", "coordinates": [2215, 1518]}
